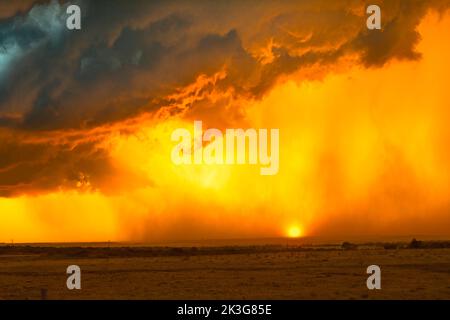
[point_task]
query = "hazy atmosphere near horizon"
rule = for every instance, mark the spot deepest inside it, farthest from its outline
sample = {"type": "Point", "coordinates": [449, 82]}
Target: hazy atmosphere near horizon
{"type": "Point", "coordinates": [86, 118]}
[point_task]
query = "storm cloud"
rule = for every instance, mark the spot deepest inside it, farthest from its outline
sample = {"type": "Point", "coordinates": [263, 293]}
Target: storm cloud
{"type": "Point", "coordinates": [131, 57]}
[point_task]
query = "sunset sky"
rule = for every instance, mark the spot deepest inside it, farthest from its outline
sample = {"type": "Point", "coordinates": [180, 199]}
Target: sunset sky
{"type": "Point", "coordinates": [86, 119]}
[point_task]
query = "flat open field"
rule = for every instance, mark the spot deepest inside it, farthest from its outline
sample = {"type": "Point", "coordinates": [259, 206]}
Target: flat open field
{"type": "Point", "coordinates": [234, 272]}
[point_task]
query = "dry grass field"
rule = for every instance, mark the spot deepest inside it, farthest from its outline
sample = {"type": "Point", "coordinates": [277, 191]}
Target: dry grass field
{"type": "Point", "coordinates": [235, 272]}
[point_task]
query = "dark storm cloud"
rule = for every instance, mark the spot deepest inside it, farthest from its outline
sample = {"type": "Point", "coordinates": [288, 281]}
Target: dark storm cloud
{"type": "Point", "coordinates": [28, 167]}
{"type": "Point", "coordinates": [131, 55]}
{"type": "Point", "coordinates": [399, 36]}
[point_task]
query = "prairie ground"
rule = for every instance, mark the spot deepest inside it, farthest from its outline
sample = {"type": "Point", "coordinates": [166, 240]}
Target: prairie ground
{"type": "Point", "coordinates": [260, 272]}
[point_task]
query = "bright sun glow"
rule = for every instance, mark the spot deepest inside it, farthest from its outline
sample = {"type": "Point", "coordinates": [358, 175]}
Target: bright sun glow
{"type": "Point", "coordinates": [294, 232]}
